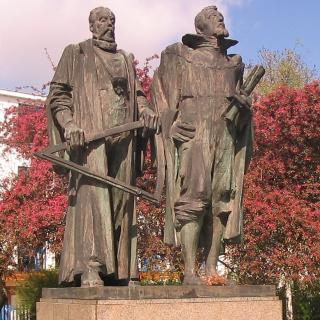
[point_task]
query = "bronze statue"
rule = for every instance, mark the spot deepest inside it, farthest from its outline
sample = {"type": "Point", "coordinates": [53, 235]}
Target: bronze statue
{"type": "Point", "coordinates": [206, 129]}
{"type": "Point", "coordinates": [95, 88]}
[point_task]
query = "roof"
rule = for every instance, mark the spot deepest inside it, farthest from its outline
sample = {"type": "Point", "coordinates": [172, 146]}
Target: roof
{"type": "Point", "coordinates": [21, 95]}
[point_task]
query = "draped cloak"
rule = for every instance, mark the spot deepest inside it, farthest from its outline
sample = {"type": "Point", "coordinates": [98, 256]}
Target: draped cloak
{"type": "Point", "coordinates": [205, 174]}
{"type": "Point", "coordinates": [100, 222]}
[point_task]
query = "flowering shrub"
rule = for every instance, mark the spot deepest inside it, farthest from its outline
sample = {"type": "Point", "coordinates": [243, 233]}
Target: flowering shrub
{"type": "Point", "coordinates": [160, 278]}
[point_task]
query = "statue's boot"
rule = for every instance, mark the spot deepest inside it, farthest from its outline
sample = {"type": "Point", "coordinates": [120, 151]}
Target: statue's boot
{"type": "Point", "coordinates": [214, 250]}
{"type": "Point", "coordinates": [91, 278]}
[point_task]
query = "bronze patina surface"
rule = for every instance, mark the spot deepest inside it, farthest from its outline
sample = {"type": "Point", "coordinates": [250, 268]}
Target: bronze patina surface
{"type": "Point", "coordinates": [94, 89]}
{"type": "Point", "coordinates": [205, 110]}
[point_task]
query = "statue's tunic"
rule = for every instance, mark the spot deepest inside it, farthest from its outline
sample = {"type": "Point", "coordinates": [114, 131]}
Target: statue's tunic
{"type": "Point", "coordinates": [100, 90]}
{"type": "Point", "coordinates": [195, 84]}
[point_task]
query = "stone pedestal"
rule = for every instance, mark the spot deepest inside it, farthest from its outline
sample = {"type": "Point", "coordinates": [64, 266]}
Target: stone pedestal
{"type": "Point", "coordinates": [165, 303]}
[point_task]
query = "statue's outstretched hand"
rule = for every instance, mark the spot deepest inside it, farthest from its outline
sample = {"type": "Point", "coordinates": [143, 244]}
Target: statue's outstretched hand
{"type": "Point", "coordinates": [182, 131]}
{"type": "Point", "coordinates": [74, 135]}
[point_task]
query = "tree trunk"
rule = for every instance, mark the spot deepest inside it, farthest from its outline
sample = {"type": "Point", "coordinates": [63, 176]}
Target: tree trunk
{"type": "Point", "coordinates": [3, 295]}
{"type": "Point", "coordinates": [286, 287]}
{"type": "Point", "coordinates": [288, 295]}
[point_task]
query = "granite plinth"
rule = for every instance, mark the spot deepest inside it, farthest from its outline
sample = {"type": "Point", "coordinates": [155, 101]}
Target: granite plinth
{"type": "Point", "coordinates": [155, 303]}
{"type": "Point", "coordinates": [158, 292]}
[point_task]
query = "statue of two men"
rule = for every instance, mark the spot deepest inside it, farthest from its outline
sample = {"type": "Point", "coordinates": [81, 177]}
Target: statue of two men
{"type": "Point", "coordinates": [207, 146]}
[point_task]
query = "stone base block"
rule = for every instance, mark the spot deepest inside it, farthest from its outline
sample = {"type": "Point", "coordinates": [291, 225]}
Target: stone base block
{"type": "Point", "coordinates": [193, 308]}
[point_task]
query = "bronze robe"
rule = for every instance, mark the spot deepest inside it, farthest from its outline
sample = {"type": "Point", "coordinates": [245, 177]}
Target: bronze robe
{"type": "Point", "coordinates": [100, 220]}
{"type": "Point", "coordinates": [194, 84]}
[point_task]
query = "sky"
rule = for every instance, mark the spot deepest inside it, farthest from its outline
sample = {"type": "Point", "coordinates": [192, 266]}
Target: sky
{"type": "Point", "coordinates": [146, 27]}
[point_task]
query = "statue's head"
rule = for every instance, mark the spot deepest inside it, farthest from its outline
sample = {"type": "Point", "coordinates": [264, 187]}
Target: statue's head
{"type": "Point", "coordinates": [210, 22]}
{"type": "Point", "coordinates": [102, 24]}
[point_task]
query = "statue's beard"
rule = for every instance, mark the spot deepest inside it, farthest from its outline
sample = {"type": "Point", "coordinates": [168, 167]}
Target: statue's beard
{"type": "Point", "coordinates": [222, 32]}
{"type": "Point", "coordinates": [105, 39]}
{"type": "Point", "coordinates": [106, 34]}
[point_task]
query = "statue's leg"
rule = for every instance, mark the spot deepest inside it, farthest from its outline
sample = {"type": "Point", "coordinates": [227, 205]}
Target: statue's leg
{"type": "Point", "coordinates": [223, 186]}
{"type": "Point", "coordinates": [192, 204]}
{"type": "Point", "coordinates": [214, 251]}
{"type": "Point", "coordinates": [189, 241]}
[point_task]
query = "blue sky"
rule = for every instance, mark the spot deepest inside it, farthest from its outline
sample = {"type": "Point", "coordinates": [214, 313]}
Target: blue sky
{"type": "Point", "coordinates": [277, 25]}
{"type": "Point", "coordinates": [145, 27]}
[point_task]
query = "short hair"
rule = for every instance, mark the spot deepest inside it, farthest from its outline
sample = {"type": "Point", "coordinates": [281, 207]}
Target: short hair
{"type": "Point", "coordinates": [93, 13]}
{"type": "Point", "coordinates": [204, 14]}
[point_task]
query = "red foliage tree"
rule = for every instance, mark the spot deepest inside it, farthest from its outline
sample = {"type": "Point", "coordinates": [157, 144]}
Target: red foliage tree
{"type": "Point", "coordinates": [33, 204]}
{"type": "Point", "coordinates": [282, 213]}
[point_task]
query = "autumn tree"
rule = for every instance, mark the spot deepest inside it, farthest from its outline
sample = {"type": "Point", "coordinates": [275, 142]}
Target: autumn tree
{"type": "Point", "coordinates": [33, 203]}
{"type": "Point", "coordinates": [282, 199]}
{"type": "Point", "coordinates": [283, 68]}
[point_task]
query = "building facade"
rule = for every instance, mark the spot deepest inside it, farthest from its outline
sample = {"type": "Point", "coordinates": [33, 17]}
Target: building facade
{"type": "Point", "coordinates": [9, 164]}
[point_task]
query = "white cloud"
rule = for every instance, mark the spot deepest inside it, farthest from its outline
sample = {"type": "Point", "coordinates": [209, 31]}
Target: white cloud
{"type": "Point", "coordinates": [143, 27]}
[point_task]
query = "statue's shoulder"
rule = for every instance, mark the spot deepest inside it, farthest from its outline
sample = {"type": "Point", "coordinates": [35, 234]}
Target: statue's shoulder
{"type": "Point", "coordinates": [236, 59]}
{"type": "Point", "coordinates": [178, 49]}
{"type": "Point", "coordinates": [71, 49]}
{"type": "Point", "coordinates": [128, 55]}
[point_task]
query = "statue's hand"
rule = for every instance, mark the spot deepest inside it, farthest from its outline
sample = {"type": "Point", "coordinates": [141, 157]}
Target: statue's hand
{"type": "Point", "coordinates": [244, 100]}
{"type": "Point", "coordinates": [74, 135]}
{"type": "Point", "coordinates": [151, 121]}
{"type": "Point", "coordinates": [182, 131]}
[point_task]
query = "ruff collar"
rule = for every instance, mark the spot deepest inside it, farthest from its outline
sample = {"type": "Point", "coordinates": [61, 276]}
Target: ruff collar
{"type": "Point", "coordinates": [196, 41]}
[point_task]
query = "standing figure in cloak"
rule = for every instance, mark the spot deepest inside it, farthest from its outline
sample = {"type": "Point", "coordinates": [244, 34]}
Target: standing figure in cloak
{"type": "Point", "coordinates": [95, 88]}
{"type": "Point", "coordinates": [207, 143]}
